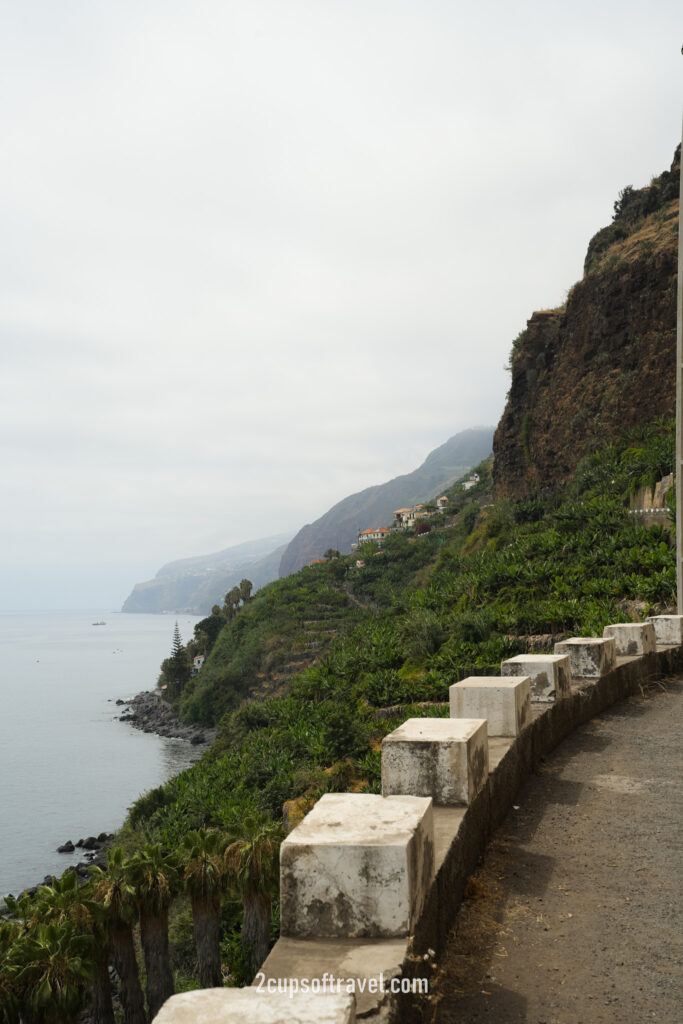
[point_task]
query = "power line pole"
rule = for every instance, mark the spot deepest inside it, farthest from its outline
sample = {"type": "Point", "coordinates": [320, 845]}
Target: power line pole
{"type": "Point", "coordinates": [679, 403]}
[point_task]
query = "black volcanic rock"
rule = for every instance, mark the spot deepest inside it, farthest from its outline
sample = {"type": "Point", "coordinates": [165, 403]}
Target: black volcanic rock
{"type": "Point", "coordinates": [605, 361]}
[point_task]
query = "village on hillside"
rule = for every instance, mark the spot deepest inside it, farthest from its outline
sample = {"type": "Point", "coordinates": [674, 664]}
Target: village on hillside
{"type": "Point", "coordinates": [411, 517]}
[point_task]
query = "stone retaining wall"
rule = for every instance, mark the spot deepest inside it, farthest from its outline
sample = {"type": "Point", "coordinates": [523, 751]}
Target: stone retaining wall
{"type": "Point", "coordinates": [388, 974]}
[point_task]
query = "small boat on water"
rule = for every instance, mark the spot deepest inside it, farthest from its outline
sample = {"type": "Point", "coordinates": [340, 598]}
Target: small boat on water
{"type": "Point", "coordinates": [100, 623]}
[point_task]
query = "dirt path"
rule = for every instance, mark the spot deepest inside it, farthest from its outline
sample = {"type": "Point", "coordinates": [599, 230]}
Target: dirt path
{"type": "Point", "coordinates": [576, 914]}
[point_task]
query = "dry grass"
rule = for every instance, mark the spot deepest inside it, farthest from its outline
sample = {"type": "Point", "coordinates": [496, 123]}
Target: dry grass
{"type": "Point", "coordinates": [658, 233]}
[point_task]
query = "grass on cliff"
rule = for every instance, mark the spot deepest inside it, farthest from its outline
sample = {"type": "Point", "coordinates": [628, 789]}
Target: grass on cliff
{"type": "Point", "coordinates": [645, 218]}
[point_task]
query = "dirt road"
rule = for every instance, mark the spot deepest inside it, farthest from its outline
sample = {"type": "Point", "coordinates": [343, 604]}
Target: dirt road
{"type": "Point", "coordinates": [576, 914]}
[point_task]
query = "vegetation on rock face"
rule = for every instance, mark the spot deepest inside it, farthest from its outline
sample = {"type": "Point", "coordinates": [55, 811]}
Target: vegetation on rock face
{"type": "Point", "coordinates": [604, 359]}
{"type": "Point", "coordinates": [632, 207]}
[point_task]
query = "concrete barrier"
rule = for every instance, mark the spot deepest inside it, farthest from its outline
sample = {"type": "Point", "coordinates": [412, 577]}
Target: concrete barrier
{"type": "Point", "coordinates": [504, 703]}
{"type": "Point", "coordinates": [444, 758]}
{"type": "Point", "coordinates": [364, 865]}
{"type": "Point", "coordinates": [358, 865]}
{"type": "Point", "coordinates": [550, 674]}
{"type": "Point", "coordinates": [460, 836]}
{"type": "Point", "coordinates": [632, 638]}
{"type": "Point", "coordinates": [254, 1006]}
{"type": "Point", "coordinates": [668, 628]}
{"type": "Point", "coordinates": [589, 656]}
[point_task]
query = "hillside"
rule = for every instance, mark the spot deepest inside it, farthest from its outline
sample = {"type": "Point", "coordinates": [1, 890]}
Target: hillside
{"type": "Point", "coordinates": [316, 668]}
{"type": "Point", "coordinates": [304, 678]}
{"type": "Point", "coordinates": [338, 528]}
{"type": "Point", "coordinates": [606, 358]}
{"type": "Point", "coordinates": [194, 585]}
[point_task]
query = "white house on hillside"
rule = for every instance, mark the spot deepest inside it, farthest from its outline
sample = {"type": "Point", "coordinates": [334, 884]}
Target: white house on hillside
{"type": "Point", "coordinates": [474, 479]}
{"type": "Point", "coordinates": [375, 533]}
{"type": "Point", "coordinates": [405, 517]}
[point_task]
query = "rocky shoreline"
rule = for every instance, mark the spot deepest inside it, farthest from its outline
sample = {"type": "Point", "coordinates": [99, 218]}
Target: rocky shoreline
{"type": "Point", "coordinates": [95, 855]}
{"type": "Point", "coordinates": [149, 712]}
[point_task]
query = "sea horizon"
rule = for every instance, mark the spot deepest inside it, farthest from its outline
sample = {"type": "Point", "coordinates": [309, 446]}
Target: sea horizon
{"type": "Point", "coordinates": [68, 767]}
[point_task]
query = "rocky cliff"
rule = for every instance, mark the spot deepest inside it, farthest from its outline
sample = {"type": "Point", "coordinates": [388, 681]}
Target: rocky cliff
{"type": "Point", "coordinates": [583, 373]}
{"type": "Point", "coordinates": [338, 527]}
{"type": "Point", "coordinates": [194, 585]}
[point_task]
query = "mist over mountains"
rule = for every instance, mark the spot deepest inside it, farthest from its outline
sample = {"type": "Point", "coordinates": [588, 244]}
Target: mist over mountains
{"type": "Point", "coordinates": [338, 528]}
{"type": "Point", "coordinates": [194, 585]}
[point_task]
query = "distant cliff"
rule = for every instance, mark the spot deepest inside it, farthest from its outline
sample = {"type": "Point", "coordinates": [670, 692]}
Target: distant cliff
{"type": "Point", "coordinates": [338, 528]}
{"type": "Point", "coordinates": [583, 373]}
{"type": "Point", "coordinates": [194, 585]}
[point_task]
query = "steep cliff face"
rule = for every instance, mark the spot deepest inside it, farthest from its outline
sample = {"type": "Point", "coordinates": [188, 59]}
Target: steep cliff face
{"type": "Point", "coordinates": [194, 585]}
{"type": "Point", "coordinates": [583, 373]}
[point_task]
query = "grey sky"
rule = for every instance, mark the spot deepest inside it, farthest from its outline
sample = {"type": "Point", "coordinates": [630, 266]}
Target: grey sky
{"type": "Point", "coordinates": [259, 254]}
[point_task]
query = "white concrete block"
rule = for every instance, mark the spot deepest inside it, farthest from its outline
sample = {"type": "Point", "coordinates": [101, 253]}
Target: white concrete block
{"type": "Point", "coordinates": [444, 758]}
{"type": "Point", "coordinates": [668, 628]}
{"type": "Point", "coordinates": [358, 865]}
{"type": "Point", "coordinates": [632, 638]}
{"type": "Point", "coordinates": [504, 703]}
{"type": "Point", "coordinates": [549, 674]}
{"type": "Point", "coordinates": [589, 656]}
{"type": "Point", "coordinates": [254, 1006]}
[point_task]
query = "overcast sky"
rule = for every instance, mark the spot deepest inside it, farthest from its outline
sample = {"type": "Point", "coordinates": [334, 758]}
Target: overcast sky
{"type": "Point", "coordinates": [259, 254]}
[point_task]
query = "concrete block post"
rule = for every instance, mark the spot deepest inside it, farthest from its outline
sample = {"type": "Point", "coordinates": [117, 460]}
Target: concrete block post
{"type": "Point", "coordinates": [632, 638]}
{"type": "Point", "coordinates": [550, 675]}
{"type": "Point", "coordinates": [589, 656]}
{"type": "Point", "coordinates": [504, 703]}
{"type": "Point", "coordinates": [359, 865]}
{"type": "Point", "coordinates": [444, 758]}
{"type": "Point", "coordinates": [668, 628]}
{"type": "Point", "coordinates": [254, 1006]}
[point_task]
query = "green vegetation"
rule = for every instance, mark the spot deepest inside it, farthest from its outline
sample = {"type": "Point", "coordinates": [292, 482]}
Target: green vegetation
{"type": "Point", "coordinates": [631, 208]}
{"type": "Point", "coordinates": [55, 946]}
{"type": "Point", "coordinates": [303, 680]}
{"type": "Point", "coordinates": [399, 629]}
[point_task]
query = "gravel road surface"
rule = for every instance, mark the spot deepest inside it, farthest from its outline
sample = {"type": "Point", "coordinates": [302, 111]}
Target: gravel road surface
{"type": "Point", "coordinates": [576, 913]}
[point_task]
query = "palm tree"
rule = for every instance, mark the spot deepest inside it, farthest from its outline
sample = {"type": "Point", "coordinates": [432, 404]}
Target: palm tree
{"type": "Point", "coordinates": [156, 880]}
{"type": "Point", "coordinates": [204, 880]}
{"type": "Point", "coordinates": [252, 867]}
{"type": "Point", "coordinates": [66, 900]}
{"type": "Point", "coordinates": [9, 1002]}
{"type": "Point", "coordinates": [117, 896]}
{"type": "Point", "coordinates": [53, 968]}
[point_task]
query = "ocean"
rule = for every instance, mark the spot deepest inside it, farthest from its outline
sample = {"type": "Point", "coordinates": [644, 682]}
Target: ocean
{"type": "Point", "coordinates": [68, 768]}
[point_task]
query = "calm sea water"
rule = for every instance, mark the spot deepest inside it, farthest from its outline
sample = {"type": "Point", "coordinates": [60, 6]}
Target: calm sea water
{"type": "Point", "coordinates": [67, 767]}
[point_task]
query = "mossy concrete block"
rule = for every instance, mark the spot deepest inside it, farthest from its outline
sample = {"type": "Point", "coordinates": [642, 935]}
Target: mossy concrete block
{"type": "Point", "coordinates": [504, 703]}
{"type": "Point", "coordinates": [359, 865]}
{"type": "Point", "coordinates": [254, 1006]}
{"type": "Point", "coordinates": [589, 656]}
{"type": "Point", "coordinates": [668, 628]}
{"type": "Point", "coordinates": [632, 638]}
{"type": "Point", "coordinates": [549, 674]}
{"type": "Point", "coordinates": [444, 758]}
